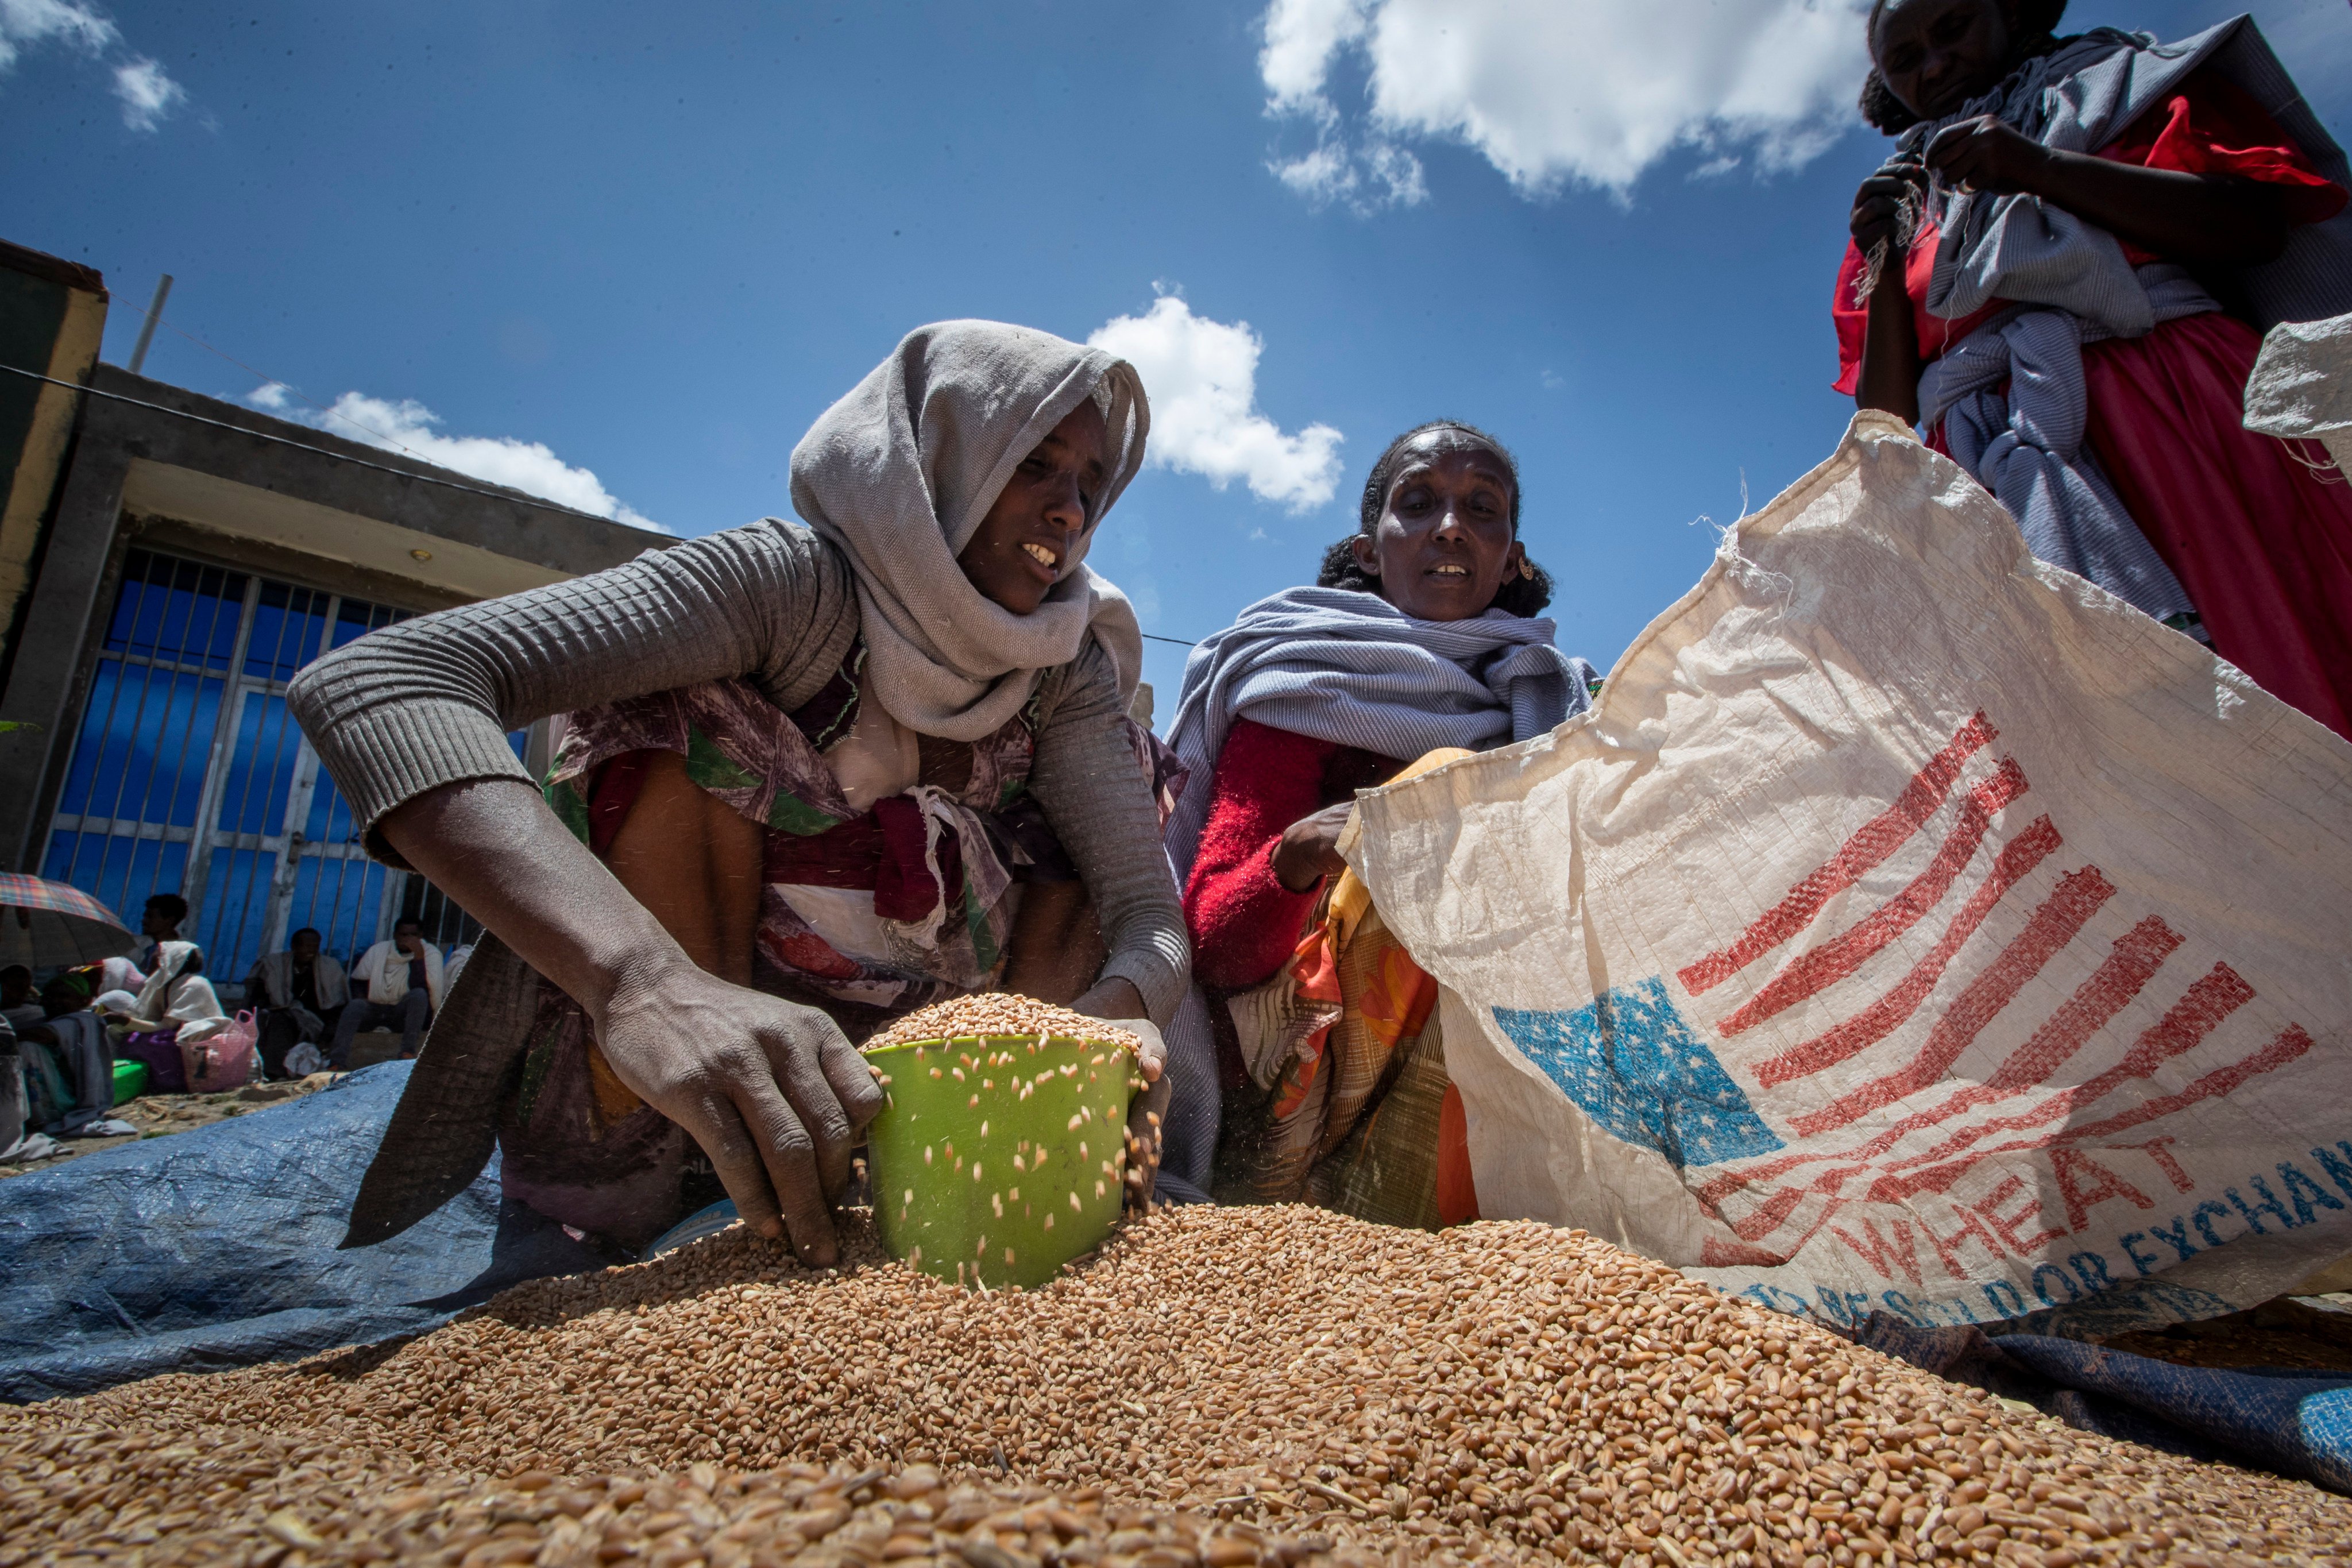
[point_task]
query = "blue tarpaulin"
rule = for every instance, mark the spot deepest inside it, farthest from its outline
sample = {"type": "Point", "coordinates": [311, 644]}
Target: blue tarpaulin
{"type": "Point", "coordinates": [2294, 1421]}
{"type": "Point", "coordinates": [217, 1248]}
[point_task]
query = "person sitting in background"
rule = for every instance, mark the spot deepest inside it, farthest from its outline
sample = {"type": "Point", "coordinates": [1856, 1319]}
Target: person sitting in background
{"type": "Point", "coordinates": [159, 923]}
{"type": "Point", "coordinates": [19, 1140]}
{"type": "Point", "coordinates": [2042, 279]}
{"type": "Point", "coordinates": [177, 1002]}
{"type": "Point", "coordinates": [1419, 641]}
{"type": "Point", "coordinates": [404, 983]}
{"type": "Point", "coordinates": [301, 994]}
{"type": "Point", "coordinates": [76, 1042]}
{"type": "Point", "coordinates": [17, 1003]}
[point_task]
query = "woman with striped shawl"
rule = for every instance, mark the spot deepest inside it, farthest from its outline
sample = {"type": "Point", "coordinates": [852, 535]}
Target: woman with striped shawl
{"type": "Point", "coordinates": [1305, 1060]}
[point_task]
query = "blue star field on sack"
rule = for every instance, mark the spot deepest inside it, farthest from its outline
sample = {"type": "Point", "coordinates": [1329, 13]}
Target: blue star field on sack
{"type": "Point", "coordinates": [1635, 1067]}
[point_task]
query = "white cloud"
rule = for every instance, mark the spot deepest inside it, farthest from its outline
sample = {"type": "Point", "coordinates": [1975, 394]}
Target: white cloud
{"type": "Point", "coordinates": [147, 91]}
{"type": "Point", "coordinates": [148, 95]}
{"type": "Point", "coordinates": [24, 22]}
{"type": "Point", "coordinates": [1202, 376]}
{"type": "Point", "coordinates": [409, 426]}
{"type": "Point", "coordinates": [1368, 177]}
{"type": "Point", "coordinates": [1301, 38]}
{"type": "Point", "coordinates": [1553, 92]}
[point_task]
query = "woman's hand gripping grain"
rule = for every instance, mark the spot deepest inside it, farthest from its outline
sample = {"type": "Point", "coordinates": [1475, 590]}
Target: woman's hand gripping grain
{"type": "Point", "coordinates": [773, 1092]}
{"type": "Point", "coordinates": [1118, 1000]}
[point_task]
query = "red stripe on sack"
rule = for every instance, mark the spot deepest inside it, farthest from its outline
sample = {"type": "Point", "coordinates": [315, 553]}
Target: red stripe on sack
{"type": "Point", "coordinates": [2058, 920]}
{"type": "Point", "coordinates": [1716, 1253]}
{"type": "Point", "coordinates": [2216, 995]}
{"type": "Point", "coordinates": [1813, 972]}
{"type": "Point", "coordinates": [2291, 1043]}
{"type": "Point", "coordinates": [2016, 859]}
{"type": "Point", "coordinates": [1767, 1217]}
{"type": "Point", "coordinates": [2221, 992]}
{"type": "Point", "coordinates": [1775, 1211]}
{"type": "Point", "coordinates": [2133, 961]}
{"type": "Point", "coordinates": [1830, 1210]}
{"type": "Point", "coordinates": [2137, 954]}
{"type": "Point", "coordinates": [1871, 844]}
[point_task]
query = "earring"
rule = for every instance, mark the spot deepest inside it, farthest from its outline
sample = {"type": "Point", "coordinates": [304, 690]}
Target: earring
{"type": "Point", "coordinates": [1527, 569]}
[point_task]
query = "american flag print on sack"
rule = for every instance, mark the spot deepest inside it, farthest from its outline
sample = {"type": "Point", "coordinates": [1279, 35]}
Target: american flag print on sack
{"type": "Point", "coordinates": [1874, 959]}
{"type": "Point", "coordinates": [2057, 976]}
{"type": "Point", "coordinates": [1635, 1067]}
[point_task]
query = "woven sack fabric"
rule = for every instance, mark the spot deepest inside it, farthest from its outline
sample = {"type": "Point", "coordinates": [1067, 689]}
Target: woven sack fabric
{"type": "Point", "coordinates": [1911, 927]}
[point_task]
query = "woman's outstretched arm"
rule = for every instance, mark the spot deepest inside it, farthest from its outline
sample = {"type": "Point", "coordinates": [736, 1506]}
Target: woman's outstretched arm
{"type": "Point", "coordinates": [1092, 788]}
{"type": "Point", "coordinates": [412, 722]}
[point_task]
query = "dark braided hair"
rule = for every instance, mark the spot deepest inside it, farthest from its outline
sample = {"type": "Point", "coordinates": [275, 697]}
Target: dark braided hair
{"type": "Point", "coordinates": [2037, 26]}
{"type": "Point", "coordinates": [1519, 595]}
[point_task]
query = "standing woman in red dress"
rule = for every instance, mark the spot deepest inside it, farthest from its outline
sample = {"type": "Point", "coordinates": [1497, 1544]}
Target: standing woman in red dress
{"type": "Point", "coordinates": [2060, 277]}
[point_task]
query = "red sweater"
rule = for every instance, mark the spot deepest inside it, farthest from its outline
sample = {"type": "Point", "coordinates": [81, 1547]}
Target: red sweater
{"type": "Point", "coordinates": [1245, 923]}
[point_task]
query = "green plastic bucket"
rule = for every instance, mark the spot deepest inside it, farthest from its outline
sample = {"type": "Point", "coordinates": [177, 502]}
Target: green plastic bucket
{"type": "Point", "coordinates": [998, 1159]}
{"type": "Point", "coordinates": [129, 1081]}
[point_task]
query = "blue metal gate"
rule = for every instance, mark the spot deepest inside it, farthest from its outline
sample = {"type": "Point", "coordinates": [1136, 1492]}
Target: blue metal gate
{"type": "Point", "coordinates": [189, 774]}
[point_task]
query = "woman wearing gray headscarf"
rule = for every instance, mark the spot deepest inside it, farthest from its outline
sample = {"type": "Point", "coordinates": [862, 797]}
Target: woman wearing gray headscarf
{"type": "Point", "coordinates": [807, 771]}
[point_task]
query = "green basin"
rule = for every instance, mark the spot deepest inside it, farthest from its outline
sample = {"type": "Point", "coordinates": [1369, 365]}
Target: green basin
{"type": "Point", "coordinates": [996, 1159]}
{"type": "Point", "coordinates": [129, 1081]}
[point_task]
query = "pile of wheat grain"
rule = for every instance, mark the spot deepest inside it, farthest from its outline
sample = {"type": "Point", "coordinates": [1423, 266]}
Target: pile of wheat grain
{"type": "Point", "coordinates": [88, 1493]}
{"type": "Point", "coordinates": [1499, 1392]}
{"type": "Point", "coordinates": [1000, 1013]}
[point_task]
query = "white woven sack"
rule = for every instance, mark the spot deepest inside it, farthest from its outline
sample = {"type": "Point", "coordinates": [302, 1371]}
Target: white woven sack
{"type": "Point", "coordinates": [1912, 926]}
{"type": "Point", "coordinates": [2301, 389]}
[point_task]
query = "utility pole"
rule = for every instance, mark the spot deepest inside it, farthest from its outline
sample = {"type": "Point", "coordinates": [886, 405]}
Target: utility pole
{"type": "Point", "coordinates": [147, 333]}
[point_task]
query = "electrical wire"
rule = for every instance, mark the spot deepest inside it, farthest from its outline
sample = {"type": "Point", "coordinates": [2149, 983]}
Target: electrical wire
{"type": "Point", "coordinates": [269, 380]}
{"type": "Point", "coordinates": [360, 462]}
{"type": "Point", "coordinates": [306, 446]}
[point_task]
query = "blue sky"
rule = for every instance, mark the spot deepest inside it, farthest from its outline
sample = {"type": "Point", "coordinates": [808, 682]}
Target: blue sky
{"type": "Point", "coordinates": [657, 241]}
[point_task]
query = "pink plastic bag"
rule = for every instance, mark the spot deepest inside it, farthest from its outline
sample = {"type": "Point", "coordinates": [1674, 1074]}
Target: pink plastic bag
{"type": "Point", "coordinates": [223, 1061]}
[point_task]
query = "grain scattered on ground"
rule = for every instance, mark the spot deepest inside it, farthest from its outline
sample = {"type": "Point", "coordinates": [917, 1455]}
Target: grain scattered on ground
{"type": "Point", "coordinates": [1499, 1393]}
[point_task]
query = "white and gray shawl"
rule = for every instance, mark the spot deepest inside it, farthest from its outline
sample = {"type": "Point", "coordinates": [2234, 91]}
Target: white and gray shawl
{"type": "Point", "coordinates": [1353, 669]}
{"type": "Point", "coordinates": [2071, 284]}
{"type": "Point", "coordinates": [900, 473]}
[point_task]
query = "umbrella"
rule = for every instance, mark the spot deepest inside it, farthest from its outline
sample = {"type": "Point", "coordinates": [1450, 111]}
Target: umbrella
{"type": "Point", "coordinates": [43, 923]}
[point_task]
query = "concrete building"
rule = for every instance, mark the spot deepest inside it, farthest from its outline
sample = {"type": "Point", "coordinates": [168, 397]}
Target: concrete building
{"type": "Point", "coordinates": [167, 563]}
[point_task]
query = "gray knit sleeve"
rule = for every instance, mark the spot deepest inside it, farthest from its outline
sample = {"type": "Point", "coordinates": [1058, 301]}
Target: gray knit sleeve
{"type": "Point", "coordinates": [1094, 793]}
{"type": "Point", "coordinates": [429, 702]}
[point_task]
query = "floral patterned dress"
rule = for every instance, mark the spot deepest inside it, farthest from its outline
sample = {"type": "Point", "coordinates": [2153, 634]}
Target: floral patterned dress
{"type": "Point", "coordinates": [865, 914]}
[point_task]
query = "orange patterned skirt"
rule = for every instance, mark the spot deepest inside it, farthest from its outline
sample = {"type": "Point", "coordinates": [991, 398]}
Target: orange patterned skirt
{"type": "Point", "coordinates": [1347, 1105]}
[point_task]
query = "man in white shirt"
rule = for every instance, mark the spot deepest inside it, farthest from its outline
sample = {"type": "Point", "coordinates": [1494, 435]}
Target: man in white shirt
{"type": "Point", "coordinates": [399, 982]}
